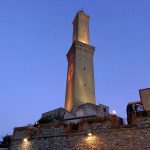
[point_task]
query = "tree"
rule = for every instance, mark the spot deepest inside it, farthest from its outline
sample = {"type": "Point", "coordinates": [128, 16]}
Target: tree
{"type": "Point", "coordinates": [5, 142]}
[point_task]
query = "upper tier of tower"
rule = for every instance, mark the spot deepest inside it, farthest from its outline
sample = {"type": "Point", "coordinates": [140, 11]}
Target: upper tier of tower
{"type": "Point", "coordinates": [81, 28]}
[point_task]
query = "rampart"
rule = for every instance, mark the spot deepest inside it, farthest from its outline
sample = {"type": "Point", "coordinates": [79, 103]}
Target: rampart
{"type": "Point", "coordinates": [106, 135]}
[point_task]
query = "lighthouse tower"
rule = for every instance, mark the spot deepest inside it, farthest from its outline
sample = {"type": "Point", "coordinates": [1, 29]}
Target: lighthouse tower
{"type": "Point", "coordinates": [80, 88]}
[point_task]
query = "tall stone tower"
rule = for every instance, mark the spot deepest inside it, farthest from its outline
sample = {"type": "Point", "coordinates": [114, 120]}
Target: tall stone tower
{"type": "Point", "coordinates": [80, 87]}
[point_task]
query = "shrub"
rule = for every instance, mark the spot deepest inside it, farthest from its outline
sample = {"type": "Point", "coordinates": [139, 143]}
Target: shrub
{"type": "Point", "coordinates": [5, 142]}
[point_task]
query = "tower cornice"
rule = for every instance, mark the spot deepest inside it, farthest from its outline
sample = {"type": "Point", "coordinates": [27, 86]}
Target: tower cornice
{"type": "Point", "coordinates": [80, 46]}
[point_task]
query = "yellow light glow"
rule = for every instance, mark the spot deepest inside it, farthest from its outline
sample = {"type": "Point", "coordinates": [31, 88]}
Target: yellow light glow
{"type": "Point", "coordinates": [114, 112]}
{"type": "Point", "coordinates": [84, 41]}
{"type": "Point", "coordinates": [90, 140]}
{"type": "Point", "coordinates": [90, 134]}
{"type": "Point", "coordinates": [25, 139]}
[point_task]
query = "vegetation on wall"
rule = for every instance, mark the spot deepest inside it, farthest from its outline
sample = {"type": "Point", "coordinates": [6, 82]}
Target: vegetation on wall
{"type": "Point", "coordinates": [48, 119]}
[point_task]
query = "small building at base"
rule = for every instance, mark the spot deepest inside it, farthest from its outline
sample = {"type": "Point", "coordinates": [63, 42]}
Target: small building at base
{"type": "Point", "coordinates": [83, 110]}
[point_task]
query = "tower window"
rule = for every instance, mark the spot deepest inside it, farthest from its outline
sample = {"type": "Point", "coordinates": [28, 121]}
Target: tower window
{"type": "Point", "coordinates": [85, 85]}
{"type": "Point", "coordinates": [84, 68]}
{"type": "Point", "coordinates": [104, 109]}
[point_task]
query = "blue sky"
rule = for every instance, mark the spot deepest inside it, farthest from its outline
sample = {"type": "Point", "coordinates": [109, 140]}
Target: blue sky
{"type": "Point", "coordinates": [35, 36]}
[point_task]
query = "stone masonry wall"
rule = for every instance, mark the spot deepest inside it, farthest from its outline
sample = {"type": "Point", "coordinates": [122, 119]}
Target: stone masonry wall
{"type": "Point", "coordinates": [114, 139]}
{"type": "Point", "coordinates": [104, 137]}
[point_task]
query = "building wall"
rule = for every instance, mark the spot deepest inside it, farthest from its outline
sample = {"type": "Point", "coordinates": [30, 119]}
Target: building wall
{"type": "Point", "coordinates": [105, 137]}
{"type": "Point", "coordinates": [59, 112]}
{"type": "Point", "coordinates": [84, 88]}
{"type": "Point", "coordinates": [70, 79]}
{"type": "Point", "coordinates": [92, 109]}
{"type": "Point", "coordinates": [80, 88]}
{"type": "Point", "coordinates": [114, 139]}
{"type": "Point", "coordinates": [81, 28]}
{"type": "Point", "coordinates": [145, 98]}
{"type": "Point", "coordinates": [55, 112]}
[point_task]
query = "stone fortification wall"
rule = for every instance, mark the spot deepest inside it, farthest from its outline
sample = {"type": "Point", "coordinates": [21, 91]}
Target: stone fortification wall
{"type": "Point", "coordinates": [105, 136]}
{"type": "Point", "coordinates": [115, 139]}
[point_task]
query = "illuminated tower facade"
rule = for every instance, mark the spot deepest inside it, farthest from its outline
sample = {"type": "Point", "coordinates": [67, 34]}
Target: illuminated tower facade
{"type": "Point", "coordinates": [80, 88]}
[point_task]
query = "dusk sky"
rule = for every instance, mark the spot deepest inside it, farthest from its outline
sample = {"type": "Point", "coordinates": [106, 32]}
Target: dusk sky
{"type": "Point", "coordinates": [35, 36]}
